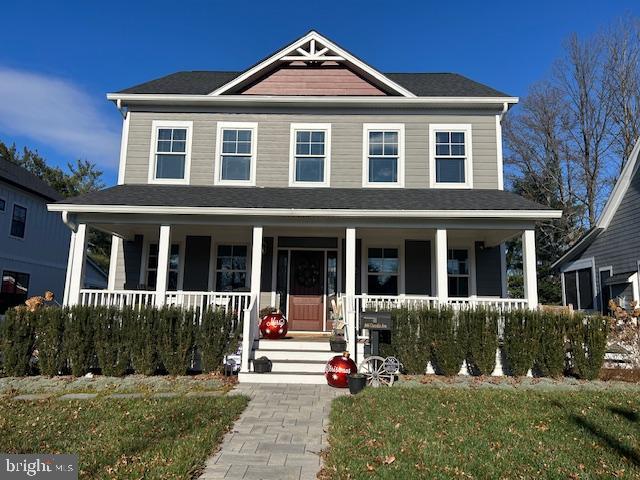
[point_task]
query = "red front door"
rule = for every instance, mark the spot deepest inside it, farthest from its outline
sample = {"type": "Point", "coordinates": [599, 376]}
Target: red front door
{"type": "Point", "coordinates": [306, 291]}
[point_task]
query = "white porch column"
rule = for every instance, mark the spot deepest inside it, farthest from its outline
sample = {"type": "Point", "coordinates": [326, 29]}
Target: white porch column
{"type": "Point", "coordinates": [67, 278]}
{"type": "Point", "coordinates": [116, 242]}
{"type": "Point", "coordinates": [250, 325]}
{"type": "Point", "coordinates": [164, 246]}
{"type": "Point", "coordinates": [529, 268]}
{"type": "Point", "coordinates": [442, 280]}
{"type": "Point", "coordinates": [77, 254]}
{"type": "Point", "coordinates": [350, 290]}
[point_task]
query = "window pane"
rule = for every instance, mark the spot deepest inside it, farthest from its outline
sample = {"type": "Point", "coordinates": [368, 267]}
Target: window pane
{"type": "Point", "coordinates": [390, 253]}
{"type": "Point", "coordinates": [605, 292]}
{"type": "Point", "coordinates": [317, 137]}
{"type": "Point", "coordinates": [239, 263]}
{"type": "Point", "coordinates": [229, 135]}
{"type": "Point", "coordinates": [457, 150]}
{"type": "Point", "coordinates": [224, 250]}
{"type": "Point", "coordinates": [152, 262]}
{"type": "Point", "coordinates": [458, 286]}
{"type": "Point", "coordinates": [382, 284]}
{"type": "Point", "coordinates": [244, 136]}
{"type": "Point", "coordinates": [244, 147]}
{"type": "Point", "coordinates": [375, 149]}
{"type": "Point", "coordinates": [450, 170]}
{"type": "Point", "coordinates": [229, 147]}
{"type": "Point", "coordinates": [172, 283]}
{"type": "Point", "coordinates": [236, 168]}
{"type": "Point", "coordinates": [317, 149]}
{"type": "Point", "coordinates": [164, 134]}
{"type": "Point", "coordinates": [224, 263]}
{"type": "Point", "coordinates": [303, 149]}
{"type": "Point", "coordinates": [240, 250]}
{"type": "Point", "coordinates": [151, 278]}
{"type": "Point", "coordinates": [390, 149]}
{"type": "Point", "coordinates": [180, 134]}
{"type": "Point", "coordinates": [391, 265]}
{"type": "Point", "coordinates": [375, 137]}
{"type": "Point", "coordinates": [457, 137]}
{"type": "Point", "coordinates": [442, 137]}
{"type": "Point", "coordinates": [571, 289]}
{"type": "Point", "coordinates": [170, 166]}
{"type": "Point", "coordinates": [303, 137]}
{"type": "Point", "coordinates": [179, 147]}
{"type": "Point", "coordinates": [228, 281]}
{"type": "Point", "coordinates": [18, 221]}
{"type": "Point", "coordinates": [375, 253]}
{"type": "Point", "coordinates": [309, 169]}
{"type": "Point", "coordinates": [383, 170]}
{"type": "Point", "coordinates": [164, 146]}
{"type": "Point", "coordinates": [442, 150]}
{"type": "Point", "coordinates": [586, 289]}
{"type": "Point", "coordinates": [390, 137]}
{"type": "Point", "coordinates": [375, 265]}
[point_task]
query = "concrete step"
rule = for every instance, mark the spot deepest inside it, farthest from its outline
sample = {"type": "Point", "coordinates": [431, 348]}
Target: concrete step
{"type": "Point", "coordinates": [287, 378]}
{"type": "Point", "coordinates": [297, 366]}
{"type": "Point", "coordinates": [298, 355]}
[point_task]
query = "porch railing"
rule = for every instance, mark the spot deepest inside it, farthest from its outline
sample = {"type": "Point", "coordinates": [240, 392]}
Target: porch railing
{"type": "Point", "coordinates": [231, 302]}
{"type": "Point", "coordinates": [353, 307]}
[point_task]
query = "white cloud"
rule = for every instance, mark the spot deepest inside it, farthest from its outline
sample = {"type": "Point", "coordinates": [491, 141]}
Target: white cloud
{"type": "Point", "coordinates": [56, 113]}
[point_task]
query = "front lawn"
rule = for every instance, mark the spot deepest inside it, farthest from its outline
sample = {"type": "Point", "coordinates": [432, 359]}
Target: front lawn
{"type": "Point", "coordinates": [484, 433]}
{"type": "Point", "coordinates": [163, 438]}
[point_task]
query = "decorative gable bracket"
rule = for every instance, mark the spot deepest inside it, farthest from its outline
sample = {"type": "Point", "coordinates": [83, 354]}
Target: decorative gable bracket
{"type": "Point", "coordinates": [314, 51]}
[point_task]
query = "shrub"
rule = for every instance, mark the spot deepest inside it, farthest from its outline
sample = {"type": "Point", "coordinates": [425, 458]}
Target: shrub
{"type": "Point", "coordinates": [410, 339]}
{"type": "Point", "coordinates": [216, 338]}
{"type": "Point", "coordinates": [550, 355]}
{"type": "Point", "coordinates": [18, 341]}
{"type": "Point", "coordinates": [110, 342]}
{"type": "Point", "coordinates": [520, 340]}
{"type": "Point", "coordinates": [78, 339]}
{"type": "Point", "coordinates": [448, 343]}
{"type": "Point", "coordinates": [480, 327]}
{"type": "Point", "coordinates": [588, 340]}
{"type": "Point", "coordinates": [176, 335]}
{"type": "Point", "coordinates": [141, 332]}
{"type": "Point", "coordinates": [50, 332]}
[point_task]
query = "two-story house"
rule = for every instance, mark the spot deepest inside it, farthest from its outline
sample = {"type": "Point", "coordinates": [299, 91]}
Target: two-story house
{"type": "Point", "coordinates": [308, 177]}
{"type": "Point", "coordinates": [34, 242]}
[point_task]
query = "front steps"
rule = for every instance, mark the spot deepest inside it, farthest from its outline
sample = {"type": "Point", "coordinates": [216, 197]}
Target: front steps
{"type": "Point", "coordinates": [294, 361]}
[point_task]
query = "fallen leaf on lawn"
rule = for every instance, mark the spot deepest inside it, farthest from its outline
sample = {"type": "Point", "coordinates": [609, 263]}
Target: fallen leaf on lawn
{"type": "Point", "coordinates": [370, 467]}
{"type": "Point", "coordinates": [389, 459]}
{"type": "Point", "coordinates": [397, 426]}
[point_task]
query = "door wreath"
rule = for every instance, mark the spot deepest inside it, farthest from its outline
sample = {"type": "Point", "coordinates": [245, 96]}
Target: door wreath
{"type": "Point", "coordinates": [307, 274]}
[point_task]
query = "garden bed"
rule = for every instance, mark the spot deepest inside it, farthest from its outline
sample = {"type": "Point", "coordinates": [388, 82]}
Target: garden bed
{"type": "Point", "coordinates": [391, 433]}
{"type": "Point", "coordinates": [166, 438]}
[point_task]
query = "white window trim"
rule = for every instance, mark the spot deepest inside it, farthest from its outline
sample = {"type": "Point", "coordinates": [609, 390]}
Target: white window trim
{"type": "Point", "coordinates": [325, 127]}
{"type": "Point", "coordinates": [369, 127]}
{"type": "Point", "coordinates": [471, 267]}
{"type": "Point", "coordinates": [468, 145]}
{"type": "Point", "coordinates": [181, 242]}
{"type": "Point", "coordinates": [155, 126]}
{"type": "Point", "coordinates": [581, 265]}
{"type": "Point", "coordinates": [364, 259]}
{"type": "Point", "coordinates": [609, 269]}
{"type": "Point", "coordinates": [10, 217]}
{"type": "Point", "coordinates": [217, 173]}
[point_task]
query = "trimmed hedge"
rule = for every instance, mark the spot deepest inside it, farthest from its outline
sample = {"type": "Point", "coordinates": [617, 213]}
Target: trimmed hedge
{"type": "Point", "coordinates": [448, 346]}
{"type": "Point", "coordinates": [588, 344]}
{"type": "Point", "coordinates": [143, 340]}
{"type": "Point", "coordinates": [480, 327]}
{"type": "Point", "coordinates": [521, 340]}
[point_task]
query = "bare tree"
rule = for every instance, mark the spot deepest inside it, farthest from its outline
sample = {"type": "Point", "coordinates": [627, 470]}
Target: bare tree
{"type": "Point", "coordinates": [622, 77]}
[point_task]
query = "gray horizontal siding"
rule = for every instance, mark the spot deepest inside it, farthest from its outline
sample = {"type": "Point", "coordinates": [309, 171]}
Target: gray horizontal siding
{"type": "Point", "coordinates": [346, 149]}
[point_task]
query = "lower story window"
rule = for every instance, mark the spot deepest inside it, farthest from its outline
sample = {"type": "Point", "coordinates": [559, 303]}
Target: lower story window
{"type": "Point", "coordinates": [231, 268]}
{"type": "Point", "coordinates": [383, 269]}
{"type": "Point", "coordinates": [578, 288]}
{"type": "Point", "coordinates": [458, 272]}
{"type": "Point", "coordinates": [13, 291]}
{"type": "Point", "coordinates": [174, 266]}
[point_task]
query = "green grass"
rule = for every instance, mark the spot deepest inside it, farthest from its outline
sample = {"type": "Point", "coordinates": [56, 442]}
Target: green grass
{"type": "Point", "coordinates": [124, 439]}
{"type": "Point", "coordinates": [405, 433]}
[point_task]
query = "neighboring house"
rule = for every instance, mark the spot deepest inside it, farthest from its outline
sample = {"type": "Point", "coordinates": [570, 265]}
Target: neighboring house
{"type": "Point", "coordinates": [604, 263]}
{"type": "Point", "coordinates": [308, 177]}
{"type": "Point", "coordinates": [34, 243]}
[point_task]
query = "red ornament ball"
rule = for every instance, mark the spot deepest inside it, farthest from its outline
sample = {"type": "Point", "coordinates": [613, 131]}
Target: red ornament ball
{"type": "Point", "coordinates": [273, 326]}
{"type": "Point", "coordinates": [338, 370]}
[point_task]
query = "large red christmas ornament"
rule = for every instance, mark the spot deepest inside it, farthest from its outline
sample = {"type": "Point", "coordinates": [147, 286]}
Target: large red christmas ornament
{"type": "Point", "coordinates": [273, 326]}
{"type": "Point", "coordinates": [338, 370]}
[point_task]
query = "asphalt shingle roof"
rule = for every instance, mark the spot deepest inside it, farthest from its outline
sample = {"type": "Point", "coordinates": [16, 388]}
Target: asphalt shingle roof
{"type": "Point", "coordinates": [420, 84]}
{"type": "Point", "coordinates": [18, 176]}
{"type": "Point", "coordinates": [306, 198]}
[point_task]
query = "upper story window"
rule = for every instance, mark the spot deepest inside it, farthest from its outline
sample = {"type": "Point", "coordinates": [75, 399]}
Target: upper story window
{"type": "Point", "coordinates": [170, 152]}
{"type": "Point", "coordinates": [383, 155]}
{"type": "Point", "coordinates": [450, 156]}
{"type": "Point", "coordinates": [236, 153]}
{"type": "Point", "coordinates": [18, 221]}
{"type": "Point", "coordinates": [310, 155]}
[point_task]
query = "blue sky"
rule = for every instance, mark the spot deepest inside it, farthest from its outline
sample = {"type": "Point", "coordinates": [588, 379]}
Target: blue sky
{"type": "Point", "coordinates": [59, 59]}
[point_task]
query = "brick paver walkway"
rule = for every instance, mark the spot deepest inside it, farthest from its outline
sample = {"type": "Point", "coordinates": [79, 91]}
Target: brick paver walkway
{"type": "Point", "coordinates": [279, 436]}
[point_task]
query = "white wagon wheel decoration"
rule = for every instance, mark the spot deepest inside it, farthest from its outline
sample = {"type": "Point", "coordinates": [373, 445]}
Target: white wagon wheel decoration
{"type": "Point", "coordinates": [374, 369]}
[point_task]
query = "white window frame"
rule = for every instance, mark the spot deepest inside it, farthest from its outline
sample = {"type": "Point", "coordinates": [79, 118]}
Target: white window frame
{"type": "Point", "coordinates": [471, 291]}
{"type": "Point", "coordinates": [365, 264]}
{"type": "Point", "coordinates": [217, 173]}
{"type": "Point", "coordinates": [582, 264]}
{"type": "Point", "coordinates": [144, 264]}
{"type": "Point", "coordinates": [10, 217]}
{"type": "Point", "coordinates": [314, 127]}
{"type": "Point", "coordinates": [468, 146]}
{"type": "Point", "coordinates": [384, 127]}
{"type": "Point", "coordinates": [155, 126]}
{"type": "Point", "coordinates": [609, 269]}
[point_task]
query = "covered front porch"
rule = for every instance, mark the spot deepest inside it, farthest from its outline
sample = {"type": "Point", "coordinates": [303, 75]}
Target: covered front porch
{"type": "Point", "coordinates": [303, 270]}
